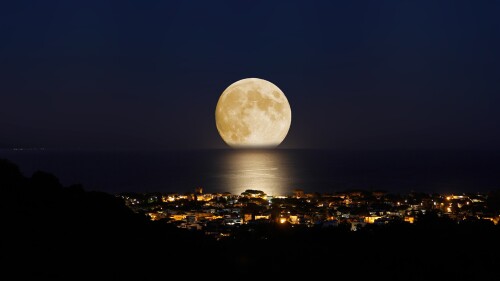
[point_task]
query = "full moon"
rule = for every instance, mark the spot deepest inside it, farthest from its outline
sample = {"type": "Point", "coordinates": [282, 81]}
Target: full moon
{"type": "Point", "coordinates": [253, 113]}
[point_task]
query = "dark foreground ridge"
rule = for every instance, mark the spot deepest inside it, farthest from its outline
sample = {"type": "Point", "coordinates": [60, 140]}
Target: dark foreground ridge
{"type": "Point", "coordinates": [53, 232]}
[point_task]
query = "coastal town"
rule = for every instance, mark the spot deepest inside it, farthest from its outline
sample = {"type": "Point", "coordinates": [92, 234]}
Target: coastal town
{"type": "Point", "coordinates": [221, 214]}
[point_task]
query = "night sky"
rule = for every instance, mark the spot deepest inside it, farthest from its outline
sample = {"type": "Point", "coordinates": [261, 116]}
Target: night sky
{"type": "Point", "coordinates": [148, 74]}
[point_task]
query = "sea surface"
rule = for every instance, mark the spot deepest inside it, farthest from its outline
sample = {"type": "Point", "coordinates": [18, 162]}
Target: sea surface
{"type": "Point", "coordinates": [276, 172]}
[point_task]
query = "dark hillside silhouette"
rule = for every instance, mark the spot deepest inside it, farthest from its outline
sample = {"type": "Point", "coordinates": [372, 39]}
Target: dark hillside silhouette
{"type": "Point", "coordinates": [53, 231]}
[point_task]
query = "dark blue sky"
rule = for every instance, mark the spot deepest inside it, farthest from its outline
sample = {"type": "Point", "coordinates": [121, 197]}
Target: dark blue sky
{"type": "Point", "coordinates": [148, 74]}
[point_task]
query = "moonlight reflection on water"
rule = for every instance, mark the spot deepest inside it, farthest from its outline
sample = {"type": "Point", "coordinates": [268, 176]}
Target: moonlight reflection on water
{"type": "Point", "coordinates": [256, 169]}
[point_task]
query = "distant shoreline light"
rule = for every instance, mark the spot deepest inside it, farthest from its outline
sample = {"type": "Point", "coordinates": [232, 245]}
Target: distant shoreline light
{"type": "Point", "coordinates": [27, 148]}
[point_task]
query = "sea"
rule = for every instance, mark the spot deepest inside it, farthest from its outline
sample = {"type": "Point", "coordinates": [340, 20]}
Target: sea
{"type": "Point", "coordinates": [276, 171]}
